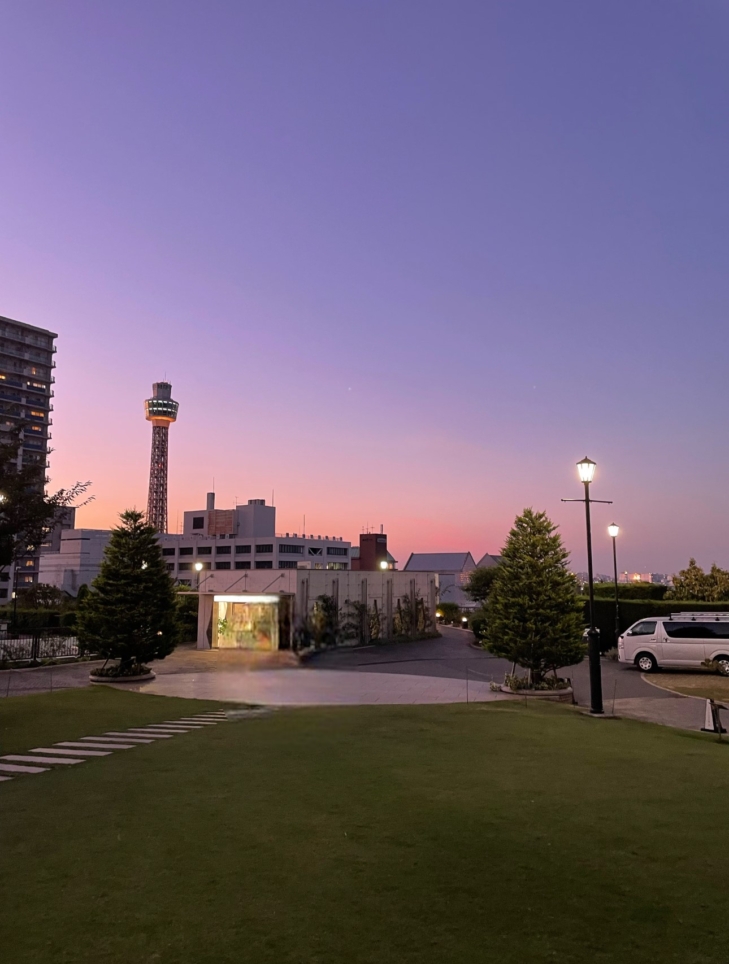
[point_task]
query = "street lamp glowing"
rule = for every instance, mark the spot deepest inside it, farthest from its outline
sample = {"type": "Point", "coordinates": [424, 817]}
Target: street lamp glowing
{"type": "Point", "coordinates": [613, 530]}
{"type": "Point", "coordinates": [383, 564]}
{"type": "Point", "coordinates": [586, 469]}
{"type": "Point", "coordinates": [198, 567]}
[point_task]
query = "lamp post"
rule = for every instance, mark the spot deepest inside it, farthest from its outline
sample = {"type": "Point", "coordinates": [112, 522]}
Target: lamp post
{"type": "Point", "coordinates": [613, 530]}
{"type": "Point", "coordinates": [586, 471]}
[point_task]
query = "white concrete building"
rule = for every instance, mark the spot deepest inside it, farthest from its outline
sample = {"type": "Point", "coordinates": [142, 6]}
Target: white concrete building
{"type": "Point", "coordinates": [259, 610]}
{"type": "Point", "coordinates": [245, 538]}
{"type": "Point", "coordinates": [77, 560]}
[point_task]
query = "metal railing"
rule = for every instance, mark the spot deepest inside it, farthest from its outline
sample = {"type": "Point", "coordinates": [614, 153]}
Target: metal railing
{"type": "Point", "coordinates": [30, 647]}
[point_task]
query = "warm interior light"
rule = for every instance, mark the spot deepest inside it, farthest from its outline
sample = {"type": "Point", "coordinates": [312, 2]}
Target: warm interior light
{"type": "Point", "coordinates": [613, 530]}
{"type": "Point", "coordinates": [247, 599]}
{"type": "Point", "coordinates": [586, 468]}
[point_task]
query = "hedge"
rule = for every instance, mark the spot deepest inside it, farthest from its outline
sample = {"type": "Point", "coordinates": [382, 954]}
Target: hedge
{"type": "Point", "coordinates": [631, 610]}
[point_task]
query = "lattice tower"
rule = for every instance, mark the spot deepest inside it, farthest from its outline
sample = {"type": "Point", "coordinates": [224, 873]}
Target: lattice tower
{"type": "Point", "coordinates": [161, 411]}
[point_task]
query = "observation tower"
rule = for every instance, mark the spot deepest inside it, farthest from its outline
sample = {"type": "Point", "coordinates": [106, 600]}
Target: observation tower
{"type": "Point", "coordinates": [161, 411]}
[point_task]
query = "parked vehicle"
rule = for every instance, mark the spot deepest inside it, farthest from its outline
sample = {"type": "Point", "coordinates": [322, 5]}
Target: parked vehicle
{"type": "Point", "coordinates": [681, 640]}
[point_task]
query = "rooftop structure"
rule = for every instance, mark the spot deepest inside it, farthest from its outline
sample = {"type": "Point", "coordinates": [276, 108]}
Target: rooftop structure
{"type": "Point", "coordinates": [161, 411]}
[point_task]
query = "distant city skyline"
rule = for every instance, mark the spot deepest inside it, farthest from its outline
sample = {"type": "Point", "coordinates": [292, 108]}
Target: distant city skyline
{"type": "Point", "coordinates": [404, 263]}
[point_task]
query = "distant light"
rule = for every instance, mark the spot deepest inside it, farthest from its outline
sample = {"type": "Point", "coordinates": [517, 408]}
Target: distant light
{"type": "Point", "coordinates": [586, 469]}
{"type": "Point", "coordinates": [144, 565]}
{"type": "Point", "coordinates": [383, 564]}
{"type": "Point", "coordinates": [613, 530]}
{"type": "Point", "coordinates": [198, 566]}
{"type": "Point", "coordinates": [3, 497]}
{"type": "Point", "coordinates": [439, 614]}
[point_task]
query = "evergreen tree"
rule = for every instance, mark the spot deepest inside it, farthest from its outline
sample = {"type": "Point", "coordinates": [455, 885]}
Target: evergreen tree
{"type": "Point", "coordinates": [534, 614]}
{"type": "Point", "coordinates": [130, 613]}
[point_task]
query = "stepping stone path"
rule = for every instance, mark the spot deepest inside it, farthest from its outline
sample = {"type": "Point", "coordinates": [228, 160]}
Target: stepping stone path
{"type": "Point", "coordinates": [79, 751]}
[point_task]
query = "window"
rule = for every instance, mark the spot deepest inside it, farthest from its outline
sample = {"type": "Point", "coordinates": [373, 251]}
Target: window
{"type": "Point", "coordinates": [168, 552]}
{"type": "Point", "coordinates": [198, 522]}
{"type": "Point", "coordinates": [4, 577]}
{"type": "Point", "coordinates": [185, 550]}
{"type": "Point", "coordinates": [185, 566]}
{"type": "Point", "coordinates": [206, 565]}
{"type": "Point", "coordinates": [644, 629]}
{"type": "Point", "coordinates": [3, 594]}
{"type": "Point", "coordinates": [315, 551]}
{"type": "Point", "coordinates": [336, 551]}
{"type": "Point", "coordinates": [694, 630]}
{"type": "Point", "coordinates": [336, 565]}
{"type": "Point", "coordinates": [261, 564]}
{"type": "Point", "coordinates": [184, 582]}
{"type": "Point", "coordinates": [239, 549]}
{"type": "Point", "coordinates": [298, 550]}
{"type": "Point", "coordinates": [171, 567]}
{"type": "Point", "coordinates": [264, 548]}
{"type": "Point", "coordinates": [205, 550]}
{"type": "Point", "coordinates": [287, 564]}
{"type": "Point", "coordinates": [242, 563]}
{"type": "Point", "coordinates": [222, 550]}
{"type": "Point", "coordinates": [222, 565]}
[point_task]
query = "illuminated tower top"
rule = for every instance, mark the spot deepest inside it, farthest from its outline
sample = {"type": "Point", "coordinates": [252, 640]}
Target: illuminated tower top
{"type": "Point", "coordinates": [161, 409]}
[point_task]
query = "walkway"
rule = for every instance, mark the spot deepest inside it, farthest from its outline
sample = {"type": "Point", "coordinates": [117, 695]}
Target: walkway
{"type": "Point", "coordinates": [73, 752]}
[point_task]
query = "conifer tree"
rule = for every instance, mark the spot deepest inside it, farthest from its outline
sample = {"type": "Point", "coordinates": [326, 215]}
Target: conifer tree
{"type": "Point", "coordinates": [534, 614]}
{"type": "Point", "coordinates": [130, 613]}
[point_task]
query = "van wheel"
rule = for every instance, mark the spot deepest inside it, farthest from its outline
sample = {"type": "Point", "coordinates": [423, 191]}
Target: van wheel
{"type": "Point", "coordinates": [722, 663]}
{"type": "Point", "coordinates": [646, 663]}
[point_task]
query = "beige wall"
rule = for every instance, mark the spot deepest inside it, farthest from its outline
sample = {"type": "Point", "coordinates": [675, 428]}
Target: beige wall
{"type": "Point", "coordinates": [306, 584]}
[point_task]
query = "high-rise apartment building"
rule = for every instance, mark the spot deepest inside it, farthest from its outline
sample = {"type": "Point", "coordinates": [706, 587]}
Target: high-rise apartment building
{"type": "Point", "coordinates": [26, 389]}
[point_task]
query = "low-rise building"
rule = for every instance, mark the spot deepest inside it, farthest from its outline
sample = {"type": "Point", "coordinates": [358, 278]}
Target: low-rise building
{"type": "Point", "coordinates": [260, 610]}
{"type": "Point", "coordinates": [245, 538]}
{"type": "Point", "coordinates": [76, 561]}
{"type": "Point", "coordinates": [453, 569]}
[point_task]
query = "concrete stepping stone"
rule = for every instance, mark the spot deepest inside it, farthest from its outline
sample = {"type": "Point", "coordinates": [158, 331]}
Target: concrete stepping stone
{"type": "Point", "coordinates": [15, 768]}
{"type": "Point", "coordinates": [97, 745]}
{"type": "Point", "coordinates": [56, 752]}
{"type": "Point", "coordinates": [18, 758]}
{"type": "Point", "coordinates": [143, 733]}
{"type": "Point", "coordinates": [197, 723]}
{"type": "Point", "coordinates": [170, 729]}
{"type": "Point", "coordinates": [126, 737]}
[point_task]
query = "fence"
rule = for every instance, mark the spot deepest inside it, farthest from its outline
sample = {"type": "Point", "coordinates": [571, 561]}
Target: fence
{"type": "Point", "coordinates": [36, 646]}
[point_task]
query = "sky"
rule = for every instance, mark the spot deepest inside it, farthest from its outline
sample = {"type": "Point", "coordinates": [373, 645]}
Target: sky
{"type": "Point", "coordinates": [405, 262]}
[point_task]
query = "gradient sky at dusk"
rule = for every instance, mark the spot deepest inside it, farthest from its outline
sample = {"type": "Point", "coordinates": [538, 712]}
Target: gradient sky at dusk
{"type": "Point", "coordinates": [403, 262]}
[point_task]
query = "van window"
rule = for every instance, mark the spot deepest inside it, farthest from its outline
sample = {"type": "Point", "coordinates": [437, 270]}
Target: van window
{"type": "Point", "coordinates": [696, 630]}
{"type": "Point", "coordinates": [645, 628]}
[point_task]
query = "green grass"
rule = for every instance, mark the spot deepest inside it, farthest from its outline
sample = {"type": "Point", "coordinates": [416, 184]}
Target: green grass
{"type": "Point", "coordinates": [705, 685]}
{"type": "Point", "coordinates": [36, 720]}
{"type": "Point", "coordinates": [481, 833]}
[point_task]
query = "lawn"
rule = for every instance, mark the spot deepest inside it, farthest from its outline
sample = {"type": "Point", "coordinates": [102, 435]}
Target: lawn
{"type": "Point", "coordinates": [498, 833]}
{"type": "Point", "coordinates": [707, 686]}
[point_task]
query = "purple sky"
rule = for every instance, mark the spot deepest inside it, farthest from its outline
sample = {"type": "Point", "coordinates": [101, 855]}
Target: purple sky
{"type": "Point", "coordinates": [404, 262]}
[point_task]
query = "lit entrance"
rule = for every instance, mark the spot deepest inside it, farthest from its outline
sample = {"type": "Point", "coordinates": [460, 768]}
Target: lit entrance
{"type": "Point", "coordinates": [247, 622]}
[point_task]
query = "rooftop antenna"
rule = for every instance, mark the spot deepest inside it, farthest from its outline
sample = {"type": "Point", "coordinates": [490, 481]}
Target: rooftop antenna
{"type": "Point", "coordinates": [304, 524]}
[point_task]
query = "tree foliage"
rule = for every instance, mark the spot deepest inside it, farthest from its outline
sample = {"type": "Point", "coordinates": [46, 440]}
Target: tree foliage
{"type": "Point", "coordinates": [27, 514]}
{"type": "Point", "coordinates": [693, 583]}
{"type": "Point", "coordinates": [534, 615]}
{"type": "Point", "coordinates": [131, 612]}
{"type": "Point", "coordinates": [480, 581]}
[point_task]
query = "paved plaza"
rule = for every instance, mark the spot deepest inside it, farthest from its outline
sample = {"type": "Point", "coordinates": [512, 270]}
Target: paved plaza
{"type": "Point", "coordinates": [444, 670]}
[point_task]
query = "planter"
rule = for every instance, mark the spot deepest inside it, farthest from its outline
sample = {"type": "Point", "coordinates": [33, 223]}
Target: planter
{"type": "Point", "coordinates": [122, 679]}
{"type": "Point", "coordinates": [558, 696]}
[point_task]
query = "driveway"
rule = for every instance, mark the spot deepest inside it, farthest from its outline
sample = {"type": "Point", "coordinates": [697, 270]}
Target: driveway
{"type": "Point", "coordinates": [445, 670]}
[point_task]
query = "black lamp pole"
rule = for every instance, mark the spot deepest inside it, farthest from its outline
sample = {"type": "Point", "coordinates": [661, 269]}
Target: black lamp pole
{"type": "Point", "coordinates": [613, 530]}
{"type": "Point", "coordinates": [586, 470]}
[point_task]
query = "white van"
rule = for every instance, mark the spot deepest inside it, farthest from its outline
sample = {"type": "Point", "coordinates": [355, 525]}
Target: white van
{"type": "Point", "coordinates": [681, 640]}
